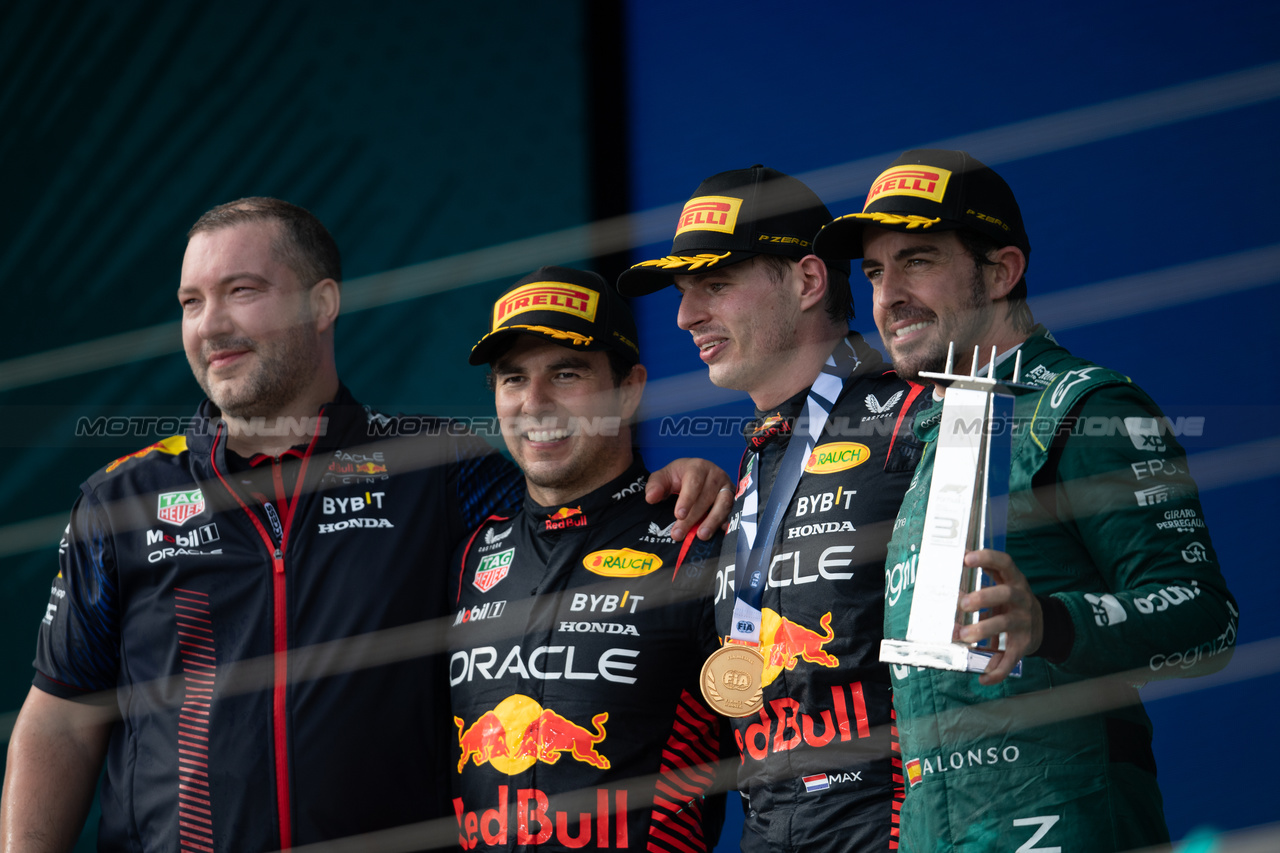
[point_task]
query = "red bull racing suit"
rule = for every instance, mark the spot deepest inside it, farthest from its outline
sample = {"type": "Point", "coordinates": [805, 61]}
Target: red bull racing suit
{"type": "Point", "coordinates": [575, 650]}
{"type": "Point", "coordinates": [815, 764]}
{"type": "Point", "coordinates": [1105, 522]}
{"type": "Point", "coordinates": [186, 572]}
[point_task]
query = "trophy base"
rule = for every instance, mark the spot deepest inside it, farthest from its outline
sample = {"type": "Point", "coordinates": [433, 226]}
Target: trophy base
{"type": "Point", "coordinates": [955, 657]}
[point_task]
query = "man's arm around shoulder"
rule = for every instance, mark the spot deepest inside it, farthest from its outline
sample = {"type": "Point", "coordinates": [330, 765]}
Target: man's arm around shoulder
{"type": "Point", "coordinates": [55, 754]}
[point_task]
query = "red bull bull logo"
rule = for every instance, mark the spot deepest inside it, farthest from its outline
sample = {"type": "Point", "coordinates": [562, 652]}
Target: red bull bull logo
{"type": "Point", "coordinates": [519, 732]}
{"type": "Point", "coordinates": [785, 643]}
{"type": "Point", "coordinates": [485, 740]}
{"type": "Point", "coordinates": [371, 468]}
{"type": "Point", "coordinates": [566, 516]}
{"type": "Point", "coordinates": [173, 445]}
{"type": "Point", "coordinates": [536, 822]}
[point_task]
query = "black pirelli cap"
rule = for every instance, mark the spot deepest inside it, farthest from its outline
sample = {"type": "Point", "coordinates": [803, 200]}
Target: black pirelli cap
{"type": "Point", "coordinates": [732, 217]}
{"type": "Point", "coordinates": [930, 189]}
{"type": "Point", "coordinates": [573, 308]}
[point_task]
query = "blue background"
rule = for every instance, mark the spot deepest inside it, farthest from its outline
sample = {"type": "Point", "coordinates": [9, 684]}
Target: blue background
{"type": "Point", "coordinates": [1141, 140]}
{"type": "Point", "coordinates": [810, 86]}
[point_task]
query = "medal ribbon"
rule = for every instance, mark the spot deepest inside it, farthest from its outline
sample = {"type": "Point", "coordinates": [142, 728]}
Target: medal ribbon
{"type": "Point", "coordinates": [757, 531]}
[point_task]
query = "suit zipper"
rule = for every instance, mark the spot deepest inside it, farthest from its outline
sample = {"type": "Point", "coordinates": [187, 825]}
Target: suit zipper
{"type": "Point", "coordinates": [280, 625]}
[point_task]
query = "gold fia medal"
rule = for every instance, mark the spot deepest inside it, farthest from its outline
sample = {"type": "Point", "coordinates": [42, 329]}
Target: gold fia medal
{"type": "Point", "coordinates": [732, 680]}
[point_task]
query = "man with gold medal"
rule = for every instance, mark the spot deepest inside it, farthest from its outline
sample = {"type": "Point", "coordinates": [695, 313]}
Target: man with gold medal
{"type": "Point", "coordinates": [800, 589]}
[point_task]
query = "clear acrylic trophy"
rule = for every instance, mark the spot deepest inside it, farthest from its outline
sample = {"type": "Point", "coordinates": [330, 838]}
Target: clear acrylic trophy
{"type": "Point", "coordinates": [967, 510]}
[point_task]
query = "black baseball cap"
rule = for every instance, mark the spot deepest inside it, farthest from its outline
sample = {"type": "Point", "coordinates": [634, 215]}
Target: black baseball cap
{"type": "Point", "coordinates": [573, 308]}
{"type": "Point", "coordinates": [731, 217]}
{"type": "Point", "coordinates": [930, 189]}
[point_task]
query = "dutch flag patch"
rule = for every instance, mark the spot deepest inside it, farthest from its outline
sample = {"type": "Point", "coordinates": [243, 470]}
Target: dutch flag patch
{"type": "Point", "coordinates": [813, 784]}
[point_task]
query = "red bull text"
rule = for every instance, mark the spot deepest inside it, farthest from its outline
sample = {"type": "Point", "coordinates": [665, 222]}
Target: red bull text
{"type": "Point", "coordinates": [536, 822]}
{"type": "Point", "coordinates": [784, 727]}
{"type": "Point", "coordinates": [566, 517]}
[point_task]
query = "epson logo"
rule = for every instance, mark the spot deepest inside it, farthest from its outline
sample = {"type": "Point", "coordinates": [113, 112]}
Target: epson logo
{"type": "Point", "coordinates": [1170, 596]}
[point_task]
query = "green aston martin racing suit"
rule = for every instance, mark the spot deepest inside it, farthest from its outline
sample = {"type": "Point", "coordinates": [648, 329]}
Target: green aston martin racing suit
{"type": "Point", "coordinates": [1105, 522]}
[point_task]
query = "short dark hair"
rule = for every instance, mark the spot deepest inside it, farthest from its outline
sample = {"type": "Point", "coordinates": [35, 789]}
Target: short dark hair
{"type": "Point", "coordinates": [304, 244]}
{"type": "Point", "coordinates": [619, 368]}
{"type": "Point", "coordinates": [839, 304]}
{"type": "Point", "coordinates": [979, 247]}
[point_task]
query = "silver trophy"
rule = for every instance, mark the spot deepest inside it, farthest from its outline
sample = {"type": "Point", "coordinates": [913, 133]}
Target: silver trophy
{"type": "Point", "coordinates": [968, 509]}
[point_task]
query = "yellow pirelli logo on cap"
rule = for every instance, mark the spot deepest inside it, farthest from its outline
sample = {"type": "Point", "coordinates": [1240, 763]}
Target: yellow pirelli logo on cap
{"type": "Point", "coordinates": [919, 181]}
{"type": "Point", "coordinates": [709, 213]}
{"type": "Point", "coordinates": [547, 296]}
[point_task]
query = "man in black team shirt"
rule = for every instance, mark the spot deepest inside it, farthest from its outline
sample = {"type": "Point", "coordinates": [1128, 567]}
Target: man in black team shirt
{"type": "Point", "coordinates": [827, 463]}
{"type": "Point", "coordinates": [580, 625]}
{"type": "Point", "coordinates": [288, 517]}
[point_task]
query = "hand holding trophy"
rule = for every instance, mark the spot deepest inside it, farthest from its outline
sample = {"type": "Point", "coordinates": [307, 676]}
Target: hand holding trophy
{"type": "Point", "coordinates": [967, 511]}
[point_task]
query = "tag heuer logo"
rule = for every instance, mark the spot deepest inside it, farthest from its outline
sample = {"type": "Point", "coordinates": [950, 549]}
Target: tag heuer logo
{"type": "Point", "coordinates": [178, 507]}
{"type": "Point", "coordinates": [492, 569]}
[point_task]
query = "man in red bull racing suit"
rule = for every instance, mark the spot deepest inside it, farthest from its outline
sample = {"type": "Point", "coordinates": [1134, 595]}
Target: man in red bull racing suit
{"type": "Point", "coordinates": [817, 768]}
{"type": "Point", "coordinates": [580, 624]}
{"type": "Point", "coordinates": [1108, 579]}
{"type": "Point", "coordinates": [288, 518]}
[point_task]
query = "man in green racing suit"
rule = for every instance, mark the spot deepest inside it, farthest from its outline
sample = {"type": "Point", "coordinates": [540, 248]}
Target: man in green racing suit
{"type": "Point", "coordinates": [1109, 578]}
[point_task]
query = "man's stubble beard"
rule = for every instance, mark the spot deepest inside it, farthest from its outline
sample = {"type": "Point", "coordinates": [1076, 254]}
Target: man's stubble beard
{"type": "Point", "coordinates": [774, 341]}
{"type": "Point", "coordinates": [282, 370]}
{"type": "Point", "coordinates": [959, 328]}
{"type": "Point", "coordinates": [564, 478]}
